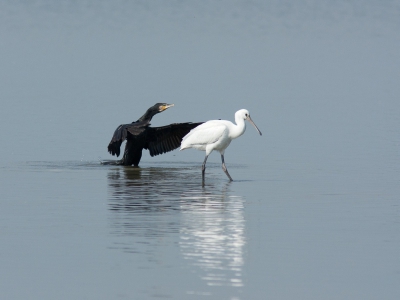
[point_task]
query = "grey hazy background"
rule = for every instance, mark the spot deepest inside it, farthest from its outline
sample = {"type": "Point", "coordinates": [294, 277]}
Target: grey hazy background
{"type": "Point", "coordinates": [313, 212]}
{"type": "Point", "coordinates": [312, 73]}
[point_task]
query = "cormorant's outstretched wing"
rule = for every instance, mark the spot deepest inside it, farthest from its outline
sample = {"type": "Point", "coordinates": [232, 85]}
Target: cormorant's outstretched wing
{"type": "Point", "coordinates": [167, 138]}
{"type": "Point", "coordinates": [121, 134]}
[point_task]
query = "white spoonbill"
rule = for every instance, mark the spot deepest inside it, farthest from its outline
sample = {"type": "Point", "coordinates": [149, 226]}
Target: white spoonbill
{"type": "Point", "coordinates": [217, 135]}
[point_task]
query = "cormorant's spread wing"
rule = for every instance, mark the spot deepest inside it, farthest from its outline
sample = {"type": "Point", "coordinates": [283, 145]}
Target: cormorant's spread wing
{"type": "Point", "coordinates": [121, 134]}
{"type": "Point", "coordinates": [167, 138]}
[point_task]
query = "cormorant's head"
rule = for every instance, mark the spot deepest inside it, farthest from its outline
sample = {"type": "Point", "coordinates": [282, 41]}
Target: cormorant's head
{"type": "Point", "coordinates": [160, 107]}
{"type": "Point", "coordinates": [155, 109]}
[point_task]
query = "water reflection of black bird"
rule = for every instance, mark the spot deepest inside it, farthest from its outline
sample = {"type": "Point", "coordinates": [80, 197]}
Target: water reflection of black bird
{"type": "Point", "coordinates": [153, 189]}
{"type": "Point", "coordinates": [139, 135]}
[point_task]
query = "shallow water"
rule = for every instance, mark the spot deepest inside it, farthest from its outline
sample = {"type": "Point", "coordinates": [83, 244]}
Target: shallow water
{"type": "Point", "coordinates": [313, 211]}
{"type": "Point", "coordinates": [154, 232]}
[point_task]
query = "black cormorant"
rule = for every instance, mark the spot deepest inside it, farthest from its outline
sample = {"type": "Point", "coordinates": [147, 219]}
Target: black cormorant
{"type": "Point", "coordinates": [139, 135]}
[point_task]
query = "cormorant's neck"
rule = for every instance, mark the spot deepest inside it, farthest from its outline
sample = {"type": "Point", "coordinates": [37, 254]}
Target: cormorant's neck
{"type": "Point", "coordinates": [148, 115]}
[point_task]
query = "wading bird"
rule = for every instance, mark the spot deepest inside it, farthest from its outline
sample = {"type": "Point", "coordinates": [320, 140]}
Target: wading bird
{"type": "Point", "coordinates": [139, 135]}
{"type": "Point", "coordinates": [217, 135]}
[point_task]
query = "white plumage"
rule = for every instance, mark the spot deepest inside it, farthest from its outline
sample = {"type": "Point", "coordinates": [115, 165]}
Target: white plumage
{"type": "Point", "coordinates": [217, 135]}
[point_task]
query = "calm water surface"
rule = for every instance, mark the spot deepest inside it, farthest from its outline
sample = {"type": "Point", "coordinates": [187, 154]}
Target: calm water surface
{"type": "Point", "coordinates": [314, 208]}
{"type": "Point", "coordinates": [154, 232]}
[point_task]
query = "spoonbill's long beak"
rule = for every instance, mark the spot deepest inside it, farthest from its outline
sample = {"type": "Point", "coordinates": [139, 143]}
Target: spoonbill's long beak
{"type": "Point", "coordinates": [252, 123]}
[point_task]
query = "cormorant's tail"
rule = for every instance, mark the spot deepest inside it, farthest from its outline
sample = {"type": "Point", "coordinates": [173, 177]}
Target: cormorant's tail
{"type": "Point", "coordinates": [112, 162]}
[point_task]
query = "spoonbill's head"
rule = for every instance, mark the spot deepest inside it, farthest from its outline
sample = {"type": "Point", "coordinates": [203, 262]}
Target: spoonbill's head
{"type": "Point", "coordinates": [245, 115]}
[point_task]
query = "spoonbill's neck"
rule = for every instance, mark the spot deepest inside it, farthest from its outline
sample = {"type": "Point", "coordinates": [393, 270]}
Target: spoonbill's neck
{"type": "Point", "coordinates": [238, 129]}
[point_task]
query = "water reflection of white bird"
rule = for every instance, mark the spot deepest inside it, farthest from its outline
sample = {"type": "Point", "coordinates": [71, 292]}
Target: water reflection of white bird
{"type": "Point", "coordinates": [217, 135]}
{"type": "Point", "coordinates": [213, 236]}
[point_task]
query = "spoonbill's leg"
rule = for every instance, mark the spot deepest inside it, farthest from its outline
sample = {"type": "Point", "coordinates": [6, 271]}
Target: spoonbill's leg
{"type": "Point", "coordinates": [224, 168]}
{"type": "Point", "coordinates": [203, 168]}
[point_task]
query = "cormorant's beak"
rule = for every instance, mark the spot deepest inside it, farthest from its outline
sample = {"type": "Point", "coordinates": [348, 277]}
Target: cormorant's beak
{"type": "Point", "coordinates": [252, 123]}
{"type": "Point", "coordinates": [164, 107]}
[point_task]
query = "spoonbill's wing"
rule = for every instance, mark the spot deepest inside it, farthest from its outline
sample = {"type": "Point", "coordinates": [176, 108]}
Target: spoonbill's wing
{"type": "Point", "coordinates": [121, 134]}
{"type": "Point", "coordinates": [163, 139]}
{"type": "Point", "coordinates": [203, 135]}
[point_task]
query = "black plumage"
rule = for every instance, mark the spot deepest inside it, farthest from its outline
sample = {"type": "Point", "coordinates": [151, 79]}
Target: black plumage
{"type": "Point", "coordinates": [139, 135]}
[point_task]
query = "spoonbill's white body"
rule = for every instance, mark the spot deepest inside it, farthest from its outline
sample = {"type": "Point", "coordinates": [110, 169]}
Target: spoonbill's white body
{"type": "Point", "coordinates": [217, 135]}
